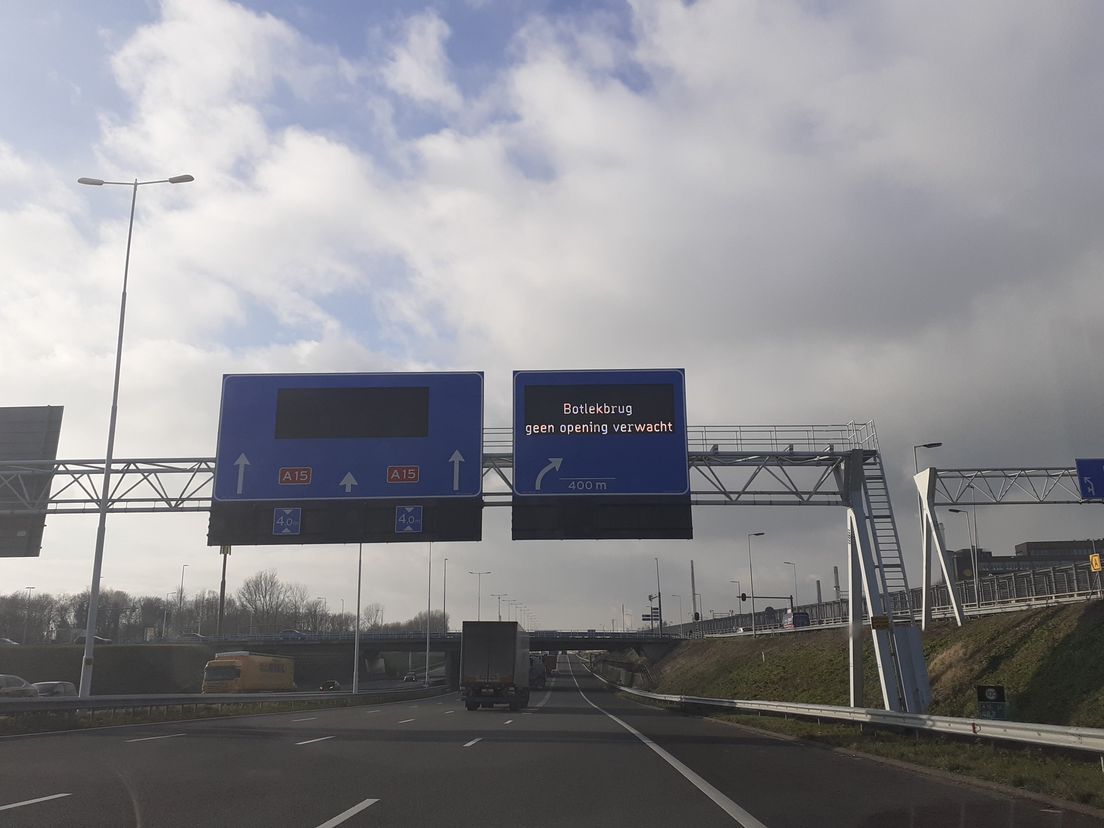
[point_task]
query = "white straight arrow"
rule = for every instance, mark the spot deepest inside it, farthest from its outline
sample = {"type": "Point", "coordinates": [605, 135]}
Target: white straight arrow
{"type": "Point", "coordinates": [456, 459]}
{"type": "Point", "coordinates": [241, 463]}
{"type": "Point", "coordinates": [348, 481]}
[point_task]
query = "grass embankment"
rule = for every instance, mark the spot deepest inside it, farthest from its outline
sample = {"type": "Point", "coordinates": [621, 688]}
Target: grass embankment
{"type": "Point", "coordinates": [1048, 661]}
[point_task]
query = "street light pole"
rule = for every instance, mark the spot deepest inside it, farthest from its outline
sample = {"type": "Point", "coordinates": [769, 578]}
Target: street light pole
{"type": "Point", "coordinates": [682, 618]}
{"type": "Point", "coordinates": [659, 595]}
{"type": "Point", "coordinates": [105, 492]}
{"type": "Point", "coordinates": [180, 603]}
{"type": "Point", "coordinates": [791, 563]}
{"type": "Point", "coordinates": [356, 625]}
{"type": "Point", "coordinates": [751, 569]}
{"type": "Point", "coordinates": [919, 501]}
{"type": "Point", "coordinates": [479, 592]}
{"type": "Point", "coordinates": [971, 528]}
{"type": "Point", "coordinates": [27, 617]}
{"type": "Point", "coordinates": [499, 596]}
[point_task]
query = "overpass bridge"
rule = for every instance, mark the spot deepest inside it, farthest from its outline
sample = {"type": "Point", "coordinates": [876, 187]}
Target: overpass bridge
{"type": "Point", "coordinates": [448, 643]}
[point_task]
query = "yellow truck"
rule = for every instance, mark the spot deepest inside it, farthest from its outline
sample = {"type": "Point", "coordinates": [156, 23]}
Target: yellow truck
{"type": "Point", "coordinates": [242, 672]}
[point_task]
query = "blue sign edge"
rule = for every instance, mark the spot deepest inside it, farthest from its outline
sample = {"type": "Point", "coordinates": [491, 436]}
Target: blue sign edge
{"type": "Point", "coordinates": [482, 429]}
{"type": "Point", "coordinates": [1077, 471]}
{"type": "Point", "coordinates": [685, 424]}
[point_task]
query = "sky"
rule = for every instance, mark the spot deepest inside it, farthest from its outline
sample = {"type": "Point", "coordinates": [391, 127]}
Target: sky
{"type": "Point", "coordinates": [823, 212]}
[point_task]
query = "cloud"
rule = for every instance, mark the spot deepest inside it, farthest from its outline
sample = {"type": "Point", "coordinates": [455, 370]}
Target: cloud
{"type": "Point", "coordinates": [822, 215]}
{"type": "Point", "coordinates": [418, 68]}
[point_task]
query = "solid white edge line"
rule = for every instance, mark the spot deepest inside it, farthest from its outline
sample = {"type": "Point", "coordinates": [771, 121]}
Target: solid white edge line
{"type": "Point", "coordinates": [719, 799]}
{"type": "Point", "coordinates": [447, 712]}
{"type": "Point", "coordinates": [32, 801]}
{"type": "Point", "coordinates": [151, 738]}
{"type": "Point", "coordinates": [406, 721]}
{"type": "Point", "coordinates": [312, 741]}
{"type": "Point", "coordinates": [344, 815]}
{"type": "Point", "coordinates": [308, 719]}
{"type": "Point", "coordinates": [473, 741]}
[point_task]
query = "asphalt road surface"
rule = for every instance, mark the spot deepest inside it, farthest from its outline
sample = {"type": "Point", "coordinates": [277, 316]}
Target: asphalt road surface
{"type": "Point", "coordinates": [578, 756]}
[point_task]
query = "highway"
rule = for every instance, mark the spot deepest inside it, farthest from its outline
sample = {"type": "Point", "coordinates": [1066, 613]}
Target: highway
{"type": "Point", "coordinates": [578, 755]}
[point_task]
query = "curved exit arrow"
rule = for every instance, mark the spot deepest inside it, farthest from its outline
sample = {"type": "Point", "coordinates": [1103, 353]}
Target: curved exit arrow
{"type": "Point", "coordinates": [554, 464]}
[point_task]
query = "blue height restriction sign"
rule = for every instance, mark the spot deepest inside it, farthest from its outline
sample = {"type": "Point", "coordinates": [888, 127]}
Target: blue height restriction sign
{"type": "Point", "coordinates": [600, 433]}
{"type": "Point", "coordinates": [350, 436]}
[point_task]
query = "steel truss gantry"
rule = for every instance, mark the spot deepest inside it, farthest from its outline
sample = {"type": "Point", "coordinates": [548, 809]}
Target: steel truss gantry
{"type": "Point", "coordinates": [1056, 485]}
{"type": "Point", "coordinates": [817, 465]}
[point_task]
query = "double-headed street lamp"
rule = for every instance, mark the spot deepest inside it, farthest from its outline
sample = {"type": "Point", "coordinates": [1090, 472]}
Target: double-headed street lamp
{"type": "Point", "coordinates": [479, 592]}
{"type": "Point", "coordinates": [97, 562]}
{"type": "Point", "coordinates": [751, 571]}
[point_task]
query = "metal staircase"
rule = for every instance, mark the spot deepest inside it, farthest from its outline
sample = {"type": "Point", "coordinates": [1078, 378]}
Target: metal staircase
{"type": "Point", "coordinates": [887, 543]}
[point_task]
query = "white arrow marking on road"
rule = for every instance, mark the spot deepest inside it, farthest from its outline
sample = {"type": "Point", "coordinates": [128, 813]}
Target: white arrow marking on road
{"type": "Point", "coordinates": [456, 459]}
{"type": "Point", "coordinates": [554, 464]}
{"type": "Point", "coordinates": [241, 463]}
{"type": "Point", "coordinates": [348, 481]}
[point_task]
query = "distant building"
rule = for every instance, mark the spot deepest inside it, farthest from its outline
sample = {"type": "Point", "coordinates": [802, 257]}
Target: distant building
{"type": "Point", "coordinates": [1029, 555]}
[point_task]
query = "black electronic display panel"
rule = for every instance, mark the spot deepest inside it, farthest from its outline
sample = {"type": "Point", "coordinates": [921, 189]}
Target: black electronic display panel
{"type": "Point", "coordinates": [351, 413]}
{"type": "Point", "coordinates": [624, 409]}
{"type": "Point", "coordinates": [597, 518]}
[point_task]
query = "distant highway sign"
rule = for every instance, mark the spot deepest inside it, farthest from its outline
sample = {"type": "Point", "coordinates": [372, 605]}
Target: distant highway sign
{"type": "Point", "coordinates": [1090, 477]}
{"type": "Point", "coordinates": [343, 437]}
{"type": "Point", "coordinates": [600, 433]}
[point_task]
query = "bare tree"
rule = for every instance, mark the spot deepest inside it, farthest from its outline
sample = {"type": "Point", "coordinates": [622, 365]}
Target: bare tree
{"type": "Point", "coordinates": [264, 597]}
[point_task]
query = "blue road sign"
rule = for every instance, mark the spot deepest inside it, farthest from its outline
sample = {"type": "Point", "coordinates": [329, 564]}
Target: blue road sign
{"type": "Point", "coordinates": [408, 520]}
{"type": "Point", "coordinates": [600, 433]}
{"type": "Point", "coordinates": [350, 436]}
{"type": "Point", "coordinates": [1090, 477]}
{"type": "Point", "coordinates": [287, 521]}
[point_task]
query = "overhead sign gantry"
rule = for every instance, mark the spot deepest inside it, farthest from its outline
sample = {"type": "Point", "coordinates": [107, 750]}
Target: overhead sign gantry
{"type": "Point", "coordinates": [338, 458]}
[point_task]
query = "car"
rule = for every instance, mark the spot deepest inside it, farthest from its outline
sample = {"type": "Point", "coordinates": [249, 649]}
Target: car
{"type": "Point", "coordinates": [96, 639]}
{"type": "Point", "coordinates": [292, 634]}
{"type": "Point", "coordinates": [13, 687]}
{"type": "Point", "coordinates": [410, 677]}
{"type": "Point", "coordinates": [55, 688]}
{"type": "Point", "coordinates": [7, 642]}
{"type": "Point", "coordinates": [331, 684]}
{"type": "Point", "coordinates": [198, 638]}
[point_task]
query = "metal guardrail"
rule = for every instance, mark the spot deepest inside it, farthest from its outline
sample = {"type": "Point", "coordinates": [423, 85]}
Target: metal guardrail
{"type": "Point", "coordinates": [71, 704]}
{"type": "Point", "coordinates": [1055, 736]}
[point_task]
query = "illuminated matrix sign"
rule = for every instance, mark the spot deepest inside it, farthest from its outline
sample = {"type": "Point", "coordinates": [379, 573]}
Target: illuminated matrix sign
{"type": "Point", "coordinates": [600, 433]}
